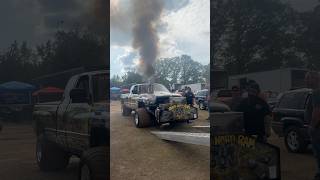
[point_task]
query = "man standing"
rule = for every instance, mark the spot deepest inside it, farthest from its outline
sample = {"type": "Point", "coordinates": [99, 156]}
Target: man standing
{"type": "Point", "coordinates": [254, 111]}
{"type": "Point", "coordinates": [313, 115]}
{"type": "Point", "coordinates": [189, 96]}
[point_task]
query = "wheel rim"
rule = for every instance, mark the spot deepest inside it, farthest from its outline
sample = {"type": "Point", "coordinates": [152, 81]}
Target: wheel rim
{"type": "Point", "coordinates": [201, 106]}
{"type": "Point", "coordinates": [39, 152]}
{"type": "Point", "coordinates": [136, 118]}
{"type": "Point", "coordinates": [292, 140]}
{"type": "Point", "coordinates": [85, 172]}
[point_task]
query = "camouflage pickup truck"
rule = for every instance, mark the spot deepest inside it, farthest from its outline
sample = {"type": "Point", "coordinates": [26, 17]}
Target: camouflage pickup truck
{"type": "Point", "coordinates": [152, 103]}
{"type": "Point", "coordinates": [77, 125]}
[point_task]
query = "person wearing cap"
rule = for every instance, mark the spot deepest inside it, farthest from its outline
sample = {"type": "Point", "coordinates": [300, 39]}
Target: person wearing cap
{"type": "Point", "coordinates": [312, 115]}
{"type": "Point", "coordinates": [189, 96]}
{"type": "Point", "coordinates": [254, 111]}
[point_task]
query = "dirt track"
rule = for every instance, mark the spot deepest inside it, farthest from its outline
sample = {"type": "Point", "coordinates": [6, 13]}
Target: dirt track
{"type": "Point", "coordinates": [294, 166]}
{"type": "Point", "coordinates": [138, 155]}
{"type": "Point", "coordinates": [135, 154]}
{"type": "Point", "coordinates": [17, 157]}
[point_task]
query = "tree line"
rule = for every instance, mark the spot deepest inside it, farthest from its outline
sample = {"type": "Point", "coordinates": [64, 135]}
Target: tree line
{"type": "Point", "coordinates": [66, 50]}
{"type": "Point", "coordinates": [250, 35]}
{"type": "Point", "coordinates": [180, 69]}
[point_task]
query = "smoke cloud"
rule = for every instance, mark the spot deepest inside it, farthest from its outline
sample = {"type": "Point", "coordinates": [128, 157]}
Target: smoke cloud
{"type": "Point", "coordinates": [146, 16]}
{"type": "Point", "coordinates": [61, 14]}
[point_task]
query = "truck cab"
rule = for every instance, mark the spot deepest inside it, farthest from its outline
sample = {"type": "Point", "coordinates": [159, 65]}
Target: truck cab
{"type": "Point", "coordinates": [74, 125]}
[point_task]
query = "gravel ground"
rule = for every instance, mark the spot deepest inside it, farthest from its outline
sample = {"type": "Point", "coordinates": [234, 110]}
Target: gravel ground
{"type": "Point", "coordinates": [135, 154]}
{"type": "Point", "coordinates": [17, 156]}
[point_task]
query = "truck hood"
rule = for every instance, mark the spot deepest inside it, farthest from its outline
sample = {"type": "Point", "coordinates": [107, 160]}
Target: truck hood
{"type": "Point", "coordinates": [164, 93]}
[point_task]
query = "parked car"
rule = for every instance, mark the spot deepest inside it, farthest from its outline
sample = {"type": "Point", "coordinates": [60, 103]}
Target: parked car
{"type": "Point", "coordinates": [201, 99]}
{"type": "Point", "coordinates": [215, 106]}
{"type": "Point", "coordinates": [224, 96]}
{"type": "Point", "coordinates": [289, 119]}
{"type": "Point", "coordinates": [271, 98]}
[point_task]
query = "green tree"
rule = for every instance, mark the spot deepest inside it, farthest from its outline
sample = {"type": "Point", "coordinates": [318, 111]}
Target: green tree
{"type": "Point", "coordinates": [190, 71]}
{"type": "Point", "coordinates": [181, 69]}
{"type": "Point", "coordinates": [255, 35]}
{"type": "Point", "coordinates": [131, 77]}
{"type": "Point", "coordinates": [116, 81]}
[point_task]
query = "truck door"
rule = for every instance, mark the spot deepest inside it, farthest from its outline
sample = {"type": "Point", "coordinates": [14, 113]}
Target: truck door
{"type": "Point", "coordinates": [61, 136]}
{"type": "Point", "coordinates": [134, 94]}
{"type": "Point", "coordinates": [78, 115]}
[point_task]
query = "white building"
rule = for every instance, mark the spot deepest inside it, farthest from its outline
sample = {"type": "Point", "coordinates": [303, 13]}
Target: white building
{"type": "Point", "coordinates": [275, 80]}
{"type": "Point", "coordinates": [195, 87]}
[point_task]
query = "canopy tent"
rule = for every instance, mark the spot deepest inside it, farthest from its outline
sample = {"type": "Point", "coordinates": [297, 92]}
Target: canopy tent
{"type": "Point", "coordinates": [115, 93]}
{"type": "Point", "coordinates": [125, 90]}
{"type": "Point", "coordinates": [115, 89]}
{"type": "Point", "coordinates": [15, 92]}
{"type": "Point", "coordinates": [48, 94]}
{"type": "Point", "coordinates": [48, 90]}
{"type": "Point", "coordinates": [16, 86]}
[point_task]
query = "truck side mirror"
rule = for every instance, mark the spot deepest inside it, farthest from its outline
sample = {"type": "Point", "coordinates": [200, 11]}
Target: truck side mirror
{"type": "Point", "coordinates": [78, 95]}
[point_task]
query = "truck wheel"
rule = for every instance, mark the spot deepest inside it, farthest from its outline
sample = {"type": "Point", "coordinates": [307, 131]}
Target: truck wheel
{"type": "Point", "coordinates": [201, 106]}
{"type": "Point", "coordinates": [94, 164]}
{"type": "Point", "coordinates": [142, 118]}
{"type": "Point", "coordinates": [125, 111]}
{"type": "Point", "coordinates": [49, 156]}
{"type": "Point", "coordinates": [294, 140]}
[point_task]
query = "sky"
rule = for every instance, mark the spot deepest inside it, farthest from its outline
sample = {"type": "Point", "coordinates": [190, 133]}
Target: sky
{"type": "Point", "coordinates": [35, 21]}
{"type": "Point", "coordinates": [183, 28]}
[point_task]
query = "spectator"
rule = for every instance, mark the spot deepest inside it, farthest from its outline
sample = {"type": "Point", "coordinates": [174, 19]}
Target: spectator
{"type": "Point", "coordinates": [254, 111]}
{"type": "Point", "coordinates": [313, 116]}
{"type": "Point", "coordinates": [184, 91]}
{"type": "Point", "coordinates": [189, 96]}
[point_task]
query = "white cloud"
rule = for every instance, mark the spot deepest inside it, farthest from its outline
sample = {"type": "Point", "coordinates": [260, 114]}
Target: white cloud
{"type": "Point", "coordinates": [184, 29]}
{"type": "Point", "coordinates": [128, 58]}
{"type": "Point", "coordinates": [188, 31]}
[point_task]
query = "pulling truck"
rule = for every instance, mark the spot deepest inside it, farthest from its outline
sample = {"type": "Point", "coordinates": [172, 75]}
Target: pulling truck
{"type": "Point", "coordinates": [154, 104]}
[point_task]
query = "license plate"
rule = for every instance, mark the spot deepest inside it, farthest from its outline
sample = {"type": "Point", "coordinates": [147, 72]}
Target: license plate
{"type": "Point", "coordinates": [195, 116]}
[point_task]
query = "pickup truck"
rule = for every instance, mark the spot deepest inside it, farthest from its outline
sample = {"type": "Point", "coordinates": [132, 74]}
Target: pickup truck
{"type": "Point", "coordinates": [289, 119]}
{"type": "Point", "coordinates": [153, 104]}
{"type": "Point", "coordinates": [77, 125]}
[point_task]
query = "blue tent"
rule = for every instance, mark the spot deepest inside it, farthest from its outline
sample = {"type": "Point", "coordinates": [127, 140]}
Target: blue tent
{"type": "Point", "coordinates": [15, 92]}
{"type": "Point", "coordinates": [16, 86]}
{"type": "Point", "coordinates": [115, 89]}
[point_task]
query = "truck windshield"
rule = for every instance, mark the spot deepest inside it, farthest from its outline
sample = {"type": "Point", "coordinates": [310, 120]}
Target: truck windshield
{"type": "Point", "coordinates": [100, 87]}
{"type": "Point", "coordinates": [159, 87]}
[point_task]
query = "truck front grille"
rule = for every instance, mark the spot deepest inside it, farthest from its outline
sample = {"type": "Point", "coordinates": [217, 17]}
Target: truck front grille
{"type": "Point", "coordinates": [163, 100]}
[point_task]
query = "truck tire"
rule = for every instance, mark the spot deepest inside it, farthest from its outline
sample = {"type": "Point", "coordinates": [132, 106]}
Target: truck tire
{"type": "Point", "coordinates": [142, 118]}
{"type": "Point", "coordinates": [125, 111]}
{"type": "Point", "coordinates": [49, 156]}
{"type": "Point", "coordinates": [94, 164]}
{"type": "Point", "coordinates": [201, 106]}
{"type": "Point", "coordinates": [294, 140]}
